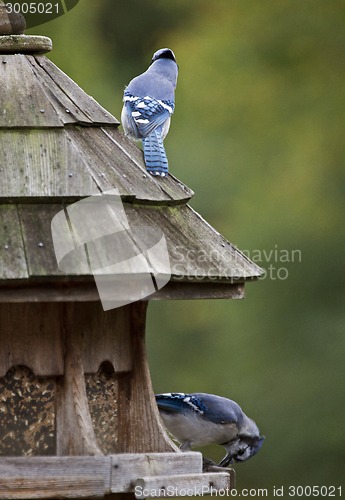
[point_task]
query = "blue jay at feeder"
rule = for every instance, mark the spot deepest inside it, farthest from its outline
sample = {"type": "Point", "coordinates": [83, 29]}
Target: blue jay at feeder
{"type": "Point", "coordinates": [148, 106]}
{"type": "Point", "coordinates": [202, 419]}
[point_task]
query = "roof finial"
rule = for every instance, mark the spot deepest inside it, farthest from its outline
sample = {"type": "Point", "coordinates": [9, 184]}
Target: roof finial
{"type": "Point", "coordinates": [11, 23]}
{"type": "Point", "coordinates": [12, 39]}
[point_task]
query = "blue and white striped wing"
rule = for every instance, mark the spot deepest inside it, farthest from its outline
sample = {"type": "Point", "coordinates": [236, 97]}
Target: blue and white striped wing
{"type": "Point", "coordinates": [147, 113]}
{"type": "Point", "coordinates": [177, 402]}
{"type": "Point", "coordinates": [212, 408]}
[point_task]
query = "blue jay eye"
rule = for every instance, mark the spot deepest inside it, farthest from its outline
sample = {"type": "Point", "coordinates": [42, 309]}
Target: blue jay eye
{"type": "Point", "coordinates": [243, 454]}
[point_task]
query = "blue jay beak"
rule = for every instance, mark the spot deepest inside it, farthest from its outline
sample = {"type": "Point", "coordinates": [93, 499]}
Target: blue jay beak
{"type": "Point", "coordinates": [226, 461]}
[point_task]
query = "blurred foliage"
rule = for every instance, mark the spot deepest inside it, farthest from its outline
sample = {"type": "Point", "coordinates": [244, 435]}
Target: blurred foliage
{"type": "Point", "coordinates": [130, 32]}
{"type": "Point", "coordinates": [258, 135]}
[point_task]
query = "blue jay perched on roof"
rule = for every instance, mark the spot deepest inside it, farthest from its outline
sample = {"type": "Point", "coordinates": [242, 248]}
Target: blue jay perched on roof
{"type": "Point", "coordinates": [148, 105]}
{"type": "Point", "coordinates": [202, 419]}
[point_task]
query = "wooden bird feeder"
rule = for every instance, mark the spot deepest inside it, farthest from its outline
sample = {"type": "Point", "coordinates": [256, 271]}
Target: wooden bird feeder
{"type": "Point", "coordinates": [78, 417]}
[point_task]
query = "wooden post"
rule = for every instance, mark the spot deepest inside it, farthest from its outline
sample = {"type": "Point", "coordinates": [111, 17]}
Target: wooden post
{"type": "Point", "coordinates": [139, 426]}
{"type": "Point", "coordinates": [74, 431]}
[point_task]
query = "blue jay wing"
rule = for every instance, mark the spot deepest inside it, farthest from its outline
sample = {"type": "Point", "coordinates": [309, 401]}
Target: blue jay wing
{"type": "Point", "coordinates": [147, 113]}
{"type": "Point", "coordinates": [172, 402]}
{"type": "Point", "coordinates": [220, 410]}
{"type": "Point", "coordinates": [212, 408]}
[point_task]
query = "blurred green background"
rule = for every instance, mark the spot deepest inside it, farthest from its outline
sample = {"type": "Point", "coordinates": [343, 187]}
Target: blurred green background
{"type": "Point", "coordinates": [258, 134]}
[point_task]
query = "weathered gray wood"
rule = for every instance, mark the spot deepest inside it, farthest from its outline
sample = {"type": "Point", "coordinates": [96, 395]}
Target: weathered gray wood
{"type": "Point", "coordinates": [77, 290]}
{"type": "Point", "coordinates": [67, 109]}
{"type": "Point", "coordinates": [130, 150]}
{"type": "Point", "coordinates": [37, 236]}
{"type": "Point", "coordinates": [30, 335]}
{"type": "Point", "coordinates": [41, 164]}
{"type": "Point", "coordinates": [71, 163]}
{"type": "Point", "coordinates": [65, 290]}
{"type": "Point", "coordinates": [111, 166]}
{"type": "Point", "coordinates": [51, 487]}
{"type": "Point", "coordinates": [182, 485]}
{"type": "Point", "coordinates": [181, 290]}
{"type": "Point", "coordinates": [33, 44]}
{"type": "Point", "coordinates": [12, 255]}
{"type": "Point", "coordinates": [18, 79]}
{"type": "Point", "coordinates": [139, 426]}
{"type": "Point", "coordinates": [45, 96]}
{"type": "Point", "coordinates": [108, 164]}
{"type": "Point", "coordinates": [198, 254]}
{"type": "Point", "coordinates": [36, 233]}
{"type": "Point", "coordinates": [105, 164]}
{"type": "Point", "coordinates": [74, 431]}
{"type": "Point", "coordinates": [95, 112]}
{"type": "Point", "coordinates": [172, 191]}
{"type": "Point", "coordinates": [127, 468]}
{"type": "Point", "coordinates": [101, 336]}
{"type": "Point", "coordinates": [86, 477]}
{"type": "Point", "coordinates": [54, 477]}
{"type": "Point", "coordinates": [196, 250]}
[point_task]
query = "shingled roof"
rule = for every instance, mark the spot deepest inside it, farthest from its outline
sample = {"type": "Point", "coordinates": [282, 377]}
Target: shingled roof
{"type": "Point", "coordinates": [58, 146]}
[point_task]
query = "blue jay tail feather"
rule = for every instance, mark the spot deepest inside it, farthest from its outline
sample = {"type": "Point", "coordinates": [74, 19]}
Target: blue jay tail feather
{"type": "Point", "coordinates": [154, 154]}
